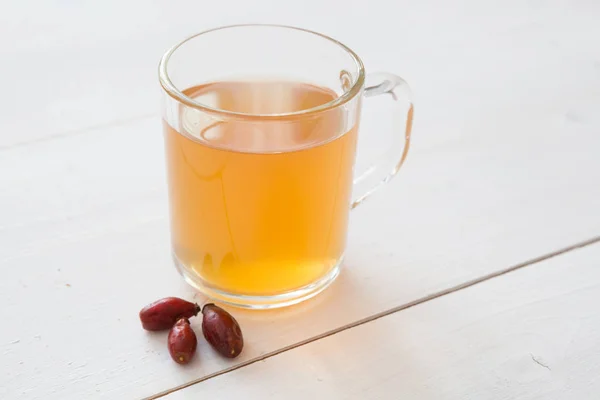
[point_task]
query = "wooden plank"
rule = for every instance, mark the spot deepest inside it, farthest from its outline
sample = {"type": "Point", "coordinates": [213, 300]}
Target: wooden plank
{"type": "Point", "coordinates": [527, 335]}
{"type": "Point", "coordinates": [508, 180]}
{"type": "Point", "coordinates": [68, 68]}
{"type": "Point", "coordinates": [89, 211]}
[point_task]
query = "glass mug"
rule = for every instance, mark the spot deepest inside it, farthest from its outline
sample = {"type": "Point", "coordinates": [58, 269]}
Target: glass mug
{"type": "Point", "coordinates": [261, 125]}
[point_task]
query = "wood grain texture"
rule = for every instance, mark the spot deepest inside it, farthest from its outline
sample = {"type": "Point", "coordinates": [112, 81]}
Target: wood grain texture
{"type": "Point", "coordinates": [504, 169]}
{"type": "Point", "coordinates": [529, 335]}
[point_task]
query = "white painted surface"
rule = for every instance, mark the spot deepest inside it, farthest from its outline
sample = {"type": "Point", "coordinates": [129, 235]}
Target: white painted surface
{"type": "Point", "coordinates": [527, 335]}
{"type": "Point", "coordinates": [504, 168]}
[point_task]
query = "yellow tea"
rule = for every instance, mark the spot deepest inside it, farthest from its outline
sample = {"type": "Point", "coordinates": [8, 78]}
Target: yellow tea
{"type": "Point", "coordinates": [260, 206]}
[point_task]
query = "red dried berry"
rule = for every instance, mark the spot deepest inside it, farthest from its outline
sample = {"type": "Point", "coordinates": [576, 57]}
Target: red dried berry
{"type": "Point", "coordinates": [163, 313]}
{"type": "Point", "coordinates": [222, 331]}
{"type": "Point", "coordinates": [182, 341]}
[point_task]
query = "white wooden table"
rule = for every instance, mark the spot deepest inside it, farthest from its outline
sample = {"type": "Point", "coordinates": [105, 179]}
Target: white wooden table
{"type": "Point", "coordinates": [474, 275]}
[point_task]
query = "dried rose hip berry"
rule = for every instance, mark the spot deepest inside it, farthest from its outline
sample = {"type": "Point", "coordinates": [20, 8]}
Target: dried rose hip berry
{"type": "Point", "coordinates": [163, 313]}
{"type": "Point", "coordinates": [182, 341]}
{"type": "Point", "coordinates": [222, 331]}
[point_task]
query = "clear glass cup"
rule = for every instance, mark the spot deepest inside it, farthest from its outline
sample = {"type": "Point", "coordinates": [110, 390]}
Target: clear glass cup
{"type": "Point", "coordinates": [261, 125]}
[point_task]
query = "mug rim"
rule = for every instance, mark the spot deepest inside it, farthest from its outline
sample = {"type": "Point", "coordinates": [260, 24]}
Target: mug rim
{"type": "Point", "coordinates": [175, 93]}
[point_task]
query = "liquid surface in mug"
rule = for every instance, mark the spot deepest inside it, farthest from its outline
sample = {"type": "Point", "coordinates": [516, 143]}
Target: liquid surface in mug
{"type": "Point", "coordinates": [259, 206]}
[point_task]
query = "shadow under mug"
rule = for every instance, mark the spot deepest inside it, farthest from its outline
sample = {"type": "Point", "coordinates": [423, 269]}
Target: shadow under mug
{"type": "Point", "coordinates": [261, 125]}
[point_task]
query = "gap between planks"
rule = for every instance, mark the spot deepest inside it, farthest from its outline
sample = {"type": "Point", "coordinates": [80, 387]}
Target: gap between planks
{"type": "Point", "coordinates": [79, 131]}
{"type": "Point", "coordinates": [374, 317]}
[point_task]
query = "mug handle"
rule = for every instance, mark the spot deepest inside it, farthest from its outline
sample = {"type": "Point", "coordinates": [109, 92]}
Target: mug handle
{"type": "Point", "coordinates": [381, 172]}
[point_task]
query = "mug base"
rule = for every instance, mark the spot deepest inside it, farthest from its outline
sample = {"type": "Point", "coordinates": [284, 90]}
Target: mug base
{"type": "Point", "coordinates": [258, 302]}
